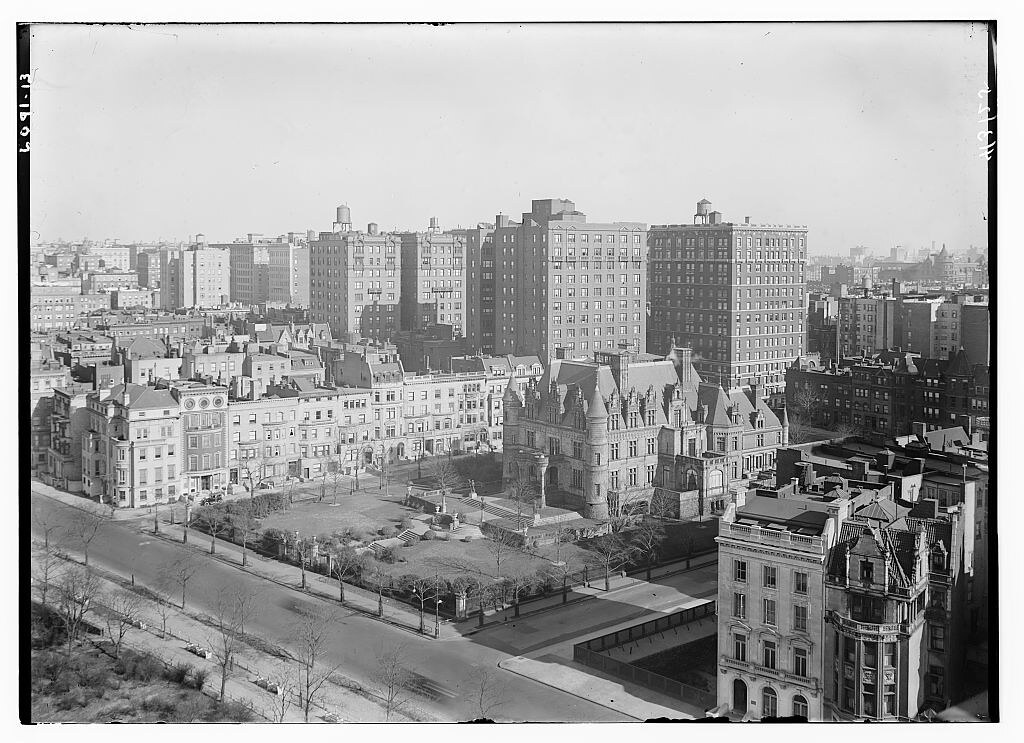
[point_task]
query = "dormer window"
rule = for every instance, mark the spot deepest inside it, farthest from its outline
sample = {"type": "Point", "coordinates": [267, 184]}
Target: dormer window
{"type": "Point", "coordinates": [867, 571]}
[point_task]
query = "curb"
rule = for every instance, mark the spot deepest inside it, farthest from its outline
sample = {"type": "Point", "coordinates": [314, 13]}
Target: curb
{"type": "Point", "coordinates": [559, 688]}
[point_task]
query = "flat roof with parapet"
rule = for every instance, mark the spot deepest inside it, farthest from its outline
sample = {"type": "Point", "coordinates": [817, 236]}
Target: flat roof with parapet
{"type": "Point", "coordinates": [798, 515]}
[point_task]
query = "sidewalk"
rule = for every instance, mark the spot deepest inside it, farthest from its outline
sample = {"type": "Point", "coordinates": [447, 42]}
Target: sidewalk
{"type": "Point", "coordinates": [87, 504]}
{"type": "Point", "coordinates": [183, 628]}
{"type": "Point", "coordinates": [555, 667]}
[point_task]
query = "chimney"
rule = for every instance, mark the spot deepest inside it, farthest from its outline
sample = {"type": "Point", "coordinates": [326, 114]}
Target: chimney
{"type": "Point", "coordinates": [746, 220]}
{"type": "Point", "coordinates": [752, 392]}
{"type": "Point", "coordinates": [918, 429]}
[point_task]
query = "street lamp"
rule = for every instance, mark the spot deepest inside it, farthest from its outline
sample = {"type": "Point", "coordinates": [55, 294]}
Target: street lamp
{"type": "Point", "coordinates": [437, 604]}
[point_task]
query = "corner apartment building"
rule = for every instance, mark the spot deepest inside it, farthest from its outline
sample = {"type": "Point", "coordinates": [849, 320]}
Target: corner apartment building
{"type": "Point", "coordinates": [563, 282]}
{"type": "Point", "coordinates": [734, 293]}
{"type": "Point", "coordinates": [132, 448]}
{"type": "Point", "coordinates": [355, 280]}
{"type": "Point", "coordinates": [147, 265]}
{"type": "Point", "coordinates": [433, 286]}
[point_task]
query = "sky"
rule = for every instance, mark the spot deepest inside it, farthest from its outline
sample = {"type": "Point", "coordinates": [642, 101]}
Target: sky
{"type": "Point", "coordinates": [866, 133]}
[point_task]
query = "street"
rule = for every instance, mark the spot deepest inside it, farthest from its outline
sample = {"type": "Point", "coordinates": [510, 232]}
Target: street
{"type": "Point", "coordinates": [444, 668]}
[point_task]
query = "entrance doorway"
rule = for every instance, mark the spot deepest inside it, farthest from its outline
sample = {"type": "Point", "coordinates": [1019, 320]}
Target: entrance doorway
{"type": "Point", "coordinates": [739, 696]}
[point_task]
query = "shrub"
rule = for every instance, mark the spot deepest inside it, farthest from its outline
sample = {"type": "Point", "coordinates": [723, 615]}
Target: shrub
{"type": "Point", "coordinates": [387, 555]}
{"type": "Point", "coordinates": [388, 531]}
{"type": "Point", "coordinates": [77, 696]}
{"type": "Point", "coordinates": [406, 522]}
{"type": "Point", "coordinates": [178, 672]}
{"type": "Point", "coordinates": [199, 676]}
{"type": "Point", "coordinates": [428, 535]}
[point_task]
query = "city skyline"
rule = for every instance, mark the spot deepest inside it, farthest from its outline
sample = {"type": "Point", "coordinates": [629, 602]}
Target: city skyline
{"type": "Point", "coordinates": [901, 99]}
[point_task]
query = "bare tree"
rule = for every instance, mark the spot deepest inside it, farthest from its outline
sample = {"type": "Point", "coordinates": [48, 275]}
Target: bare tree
{"type": "Point", "coordinates": [311, 632]}
{"type": "Point", "coordinates": [230, 613]}
{"type": "Point", "coordinates": [85, 528]}
{"type": "Point", "coordinates": [647, 539]}
{"type": "Point", "coordinates": [447, 476]}
{"type": "Point", "coordinates": [344, 562]}
{"type": "Point", "coordinates": [124, 610]}
{"type": "Point", "coordinates": [523, 494]}
{"type": "Point", "coordinates": [392, 678]}
{"type": "Point", "coordinates": [76, 592]}
{"type": "Point", "coordinates": [501, 544]}
{"type": "Point", "coordinates": [253, 471]}
{"type": "Point", "coordinates": [610, 553]}
{"type": "Point", "coordinates": [290, 685]}
{"type": "Point", "coordinates": [241, 520]}
{"type": "Point", "coordinates": [214, 521]}
{"type": "Point", "coordinates": [518, 581]}
{"type": "Point", "coordinates": [381, 582]}
{"type": "Point", "coordinates": [426, 591]}
{"type": "Point", "coordinates": [305, 548]}
{"type": "Point", "coordinates": [46, 526]}
{"type": "Point", "coordinates": [336, 464]}
{"type": "Point", "coordinates": [486, 692]}
{"type": "Point", "coordinates": [179, 573]}
{"type": "Point", "coordinates": [46, 567]}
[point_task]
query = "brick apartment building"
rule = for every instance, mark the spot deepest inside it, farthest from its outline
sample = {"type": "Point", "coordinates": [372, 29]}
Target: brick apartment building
{"type": "Point", "coordinates": [563, 282]}
{"type": "Point", "coordinates": [355, 280]}
{"type": "Point", "coordinates": [433, 286]}
{"type": "Point", "coordinates": [734, 293]}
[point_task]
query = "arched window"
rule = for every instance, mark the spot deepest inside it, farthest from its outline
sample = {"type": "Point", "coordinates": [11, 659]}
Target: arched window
{"type": "Point", "coordinates": [799, 706]}
{"type": "Point", "coordinates": [769, 702]}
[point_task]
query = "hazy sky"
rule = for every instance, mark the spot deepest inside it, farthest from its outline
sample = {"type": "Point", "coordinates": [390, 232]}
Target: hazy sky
{"type": "Point", "coordinates": [864, 132]}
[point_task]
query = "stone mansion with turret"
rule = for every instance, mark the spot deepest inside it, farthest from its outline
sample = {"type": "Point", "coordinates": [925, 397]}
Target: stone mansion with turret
{"type": "Point", "coordinates": [611, 436]}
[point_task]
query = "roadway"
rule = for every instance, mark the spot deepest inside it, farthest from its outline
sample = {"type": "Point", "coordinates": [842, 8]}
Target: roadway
{"type": "Point", "coordinates": [445, 668]}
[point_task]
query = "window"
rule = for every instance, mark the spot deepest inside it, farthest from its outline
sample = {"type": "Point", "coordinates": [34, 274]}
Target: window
{"type": "Point", "coordinates": [867, 570]}
{"type": "Point", "coordinates": [769, 654]}
{"type": "Point", "coordinates": [869, 700]}
{"type": "Point", "coordinates": [800, 662]}
{"type": "Point", "coordinates": [936, 686]}
{"type": "Point", "coordinates": [870, 655]}
{"type": "Point", "coordinates": [937, 637]}
{"type": "Point", "coordinates": [739, 570]}
{"type": "Point", "coordinates": [739, 605]}
{"type": "Point", "coordinates": [800, 617]}
{"type": "Point", "coordinates": [740, 647]}
{"type": "Point", "coordinates": [800, 583]}
{"type": "Point", "coordinates": [799, 707]}
{"type": "Point", "coordinates": [769, 612]}
{"type": "Point", "coordinates": [769, 702]}
{"type": "Point", "coordinates": [890, 654]}
{"type": "Point", "coordinates": [769, 576]}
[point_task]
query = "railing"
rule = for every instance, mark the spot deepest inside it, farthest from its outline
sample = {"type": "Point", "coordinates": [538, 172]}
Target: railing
{"type": "Point", "coordinates": [800, 541]}
{"type": "Point", "coordinates": [851, 625]}
{"type": "Point", "coordinates": [777, 673]}
{"type": "Point", "coordinates": [588, 654]}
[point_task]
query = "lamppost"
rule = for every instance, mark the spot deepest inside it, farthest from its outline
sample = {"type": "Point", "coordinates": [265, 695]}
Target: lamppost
{"type": "Point", "coordinates": [437, 604]}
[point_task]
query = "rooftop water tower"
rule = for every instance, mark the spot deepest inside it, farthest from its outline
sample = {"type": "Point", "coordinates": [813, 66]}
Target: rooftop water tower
{"type": "Point", "coordinates": [343, 222]}
{"type": "Point", "coordinates": [701, 217]}
{"type": "Point", "coordinates": [435, 225]}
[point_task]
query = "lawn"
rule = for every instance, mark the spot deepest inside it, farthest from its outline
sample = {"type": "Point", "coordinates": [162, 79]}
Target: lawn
{"type": "Point", "coordinates": [361, 512]}
{"type": "Point", "coordinates": [694, 663]}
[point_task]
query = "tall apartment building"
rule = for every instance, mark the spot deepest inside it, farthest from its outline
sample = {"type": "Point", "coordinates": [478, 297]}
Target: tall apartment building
{"type": "Point", "coordinates": [734, 293]}
{"type": "Point", "coordinates": [867, 324]}
{"type": "Point", "coordinates": [480, 296]}
{"type": "Point", "coordinates": [433, 288]}
{"type": "Point", "coordinates": [250, 271]}
{"type": "Point", "coordinates": [289, 273]}
{"type": "Point", "coordinates": [355, 280]}
{"type": "Point", "coordinates": [563, 282]}
{"type": "Point", "coordinates": [199, 276]}
{"type": "Point", "coordinates": [147, 264]}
